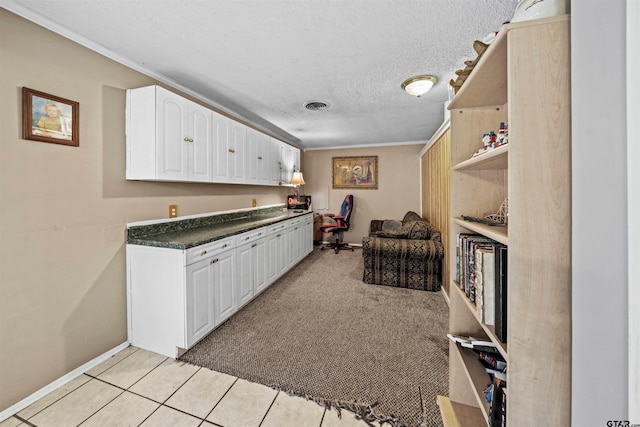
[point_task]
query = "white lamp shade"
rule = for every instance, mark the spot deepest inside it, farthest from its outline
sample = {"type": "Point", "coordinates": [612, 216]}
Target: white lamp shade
{"type": "Point", "coordinates": [297, 179]}
{"type": "Point", "coordinates": [418, 85]}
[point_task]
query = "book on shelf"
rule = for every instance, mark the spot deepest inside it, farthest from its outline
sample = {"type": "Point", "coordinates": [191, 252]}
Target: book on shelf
{"type": "Point", "coordinates": [473, 343]}
{"type": "Point", "coordinates": [496, 395]}
{"type": "Point", "coordinates": [500, 292]}
{"type": "Point", "coordinates": [485, 283]}
{"type": "Point", "coordinates": [492, 360]}
{"type": "Point", "coordinates": [467, 246]}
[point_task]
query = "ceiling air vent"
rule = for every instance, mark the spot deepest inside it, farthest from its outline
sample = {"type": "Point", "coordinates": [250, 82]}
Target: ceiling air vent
{"type": "Point", "coordinates": [316, 105]}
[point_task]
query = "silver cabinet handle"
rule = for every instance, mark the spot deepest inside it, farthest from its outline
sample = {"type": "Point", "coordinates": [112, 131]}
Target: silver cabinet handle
{"type": "Point", "coordinates": [259, 157]}
{"type": "Point", "coordinates": [254, 245]}
{"type": "Point", "coordinates": [204, 252]}
{"type": "Point", "coordinates": [224, 246]}
{"type": "Point", "coordinates": [188, 139]}
{"type": "Point", "coordinates": [231, 150]}
{"type": "Point", "coordinates": [247, 238]}
{"type": "Point", "coordinates": [213, 261]}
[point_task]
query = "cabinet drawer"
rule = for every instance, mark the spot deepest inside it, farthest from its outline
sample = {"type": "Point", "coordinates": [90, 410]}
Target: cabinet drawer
{"type": "Point", "coordinates": [278, 227]}
{"type": "Point", "coordinates": [293, 222]}
{"type": "Point", "coordinates": [205, 251]}
{"type": "Point", "coordinates": [250, 236]}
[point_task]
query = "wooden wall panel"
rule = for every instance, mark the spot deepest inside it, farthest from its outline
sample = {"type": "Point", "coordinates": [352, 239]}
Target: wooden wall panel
{"type": "Point", "coordinates": [435, 171]}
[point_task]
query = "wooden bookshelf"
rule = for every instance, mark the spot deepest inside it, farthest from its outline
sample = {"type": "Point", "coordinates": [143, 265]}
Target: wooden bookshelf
{"type": "Point", "coordinates": [523, 79]}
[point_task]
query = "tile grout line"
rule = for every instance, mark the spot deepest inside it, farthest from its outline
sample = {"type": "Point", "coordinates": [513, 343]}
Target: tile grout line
{"type": "Point", "coordinates": [101, 408]}
{"type": "Point", "coordinates": [223, 396]}
{"type": "Point", "coordinates": [323, 415]}
{"type": "Point", "coordinates": [22, 420]}
{"type": "Point", "coordinates": [270, 406]}
{"type": "Point", "coordinates": [181, 385]}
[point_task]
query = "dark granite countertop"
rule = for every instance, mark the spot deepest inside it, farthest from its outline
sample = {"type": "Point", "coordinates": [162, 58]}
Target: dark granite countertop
{"type": "Point", "coordinates": [188, 233]}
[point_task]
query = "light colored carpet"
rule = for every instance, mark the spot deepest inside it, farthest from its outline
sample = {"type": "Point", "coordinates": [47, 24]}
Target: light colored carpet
{"type": "Point", "coordinates": [322, 333]}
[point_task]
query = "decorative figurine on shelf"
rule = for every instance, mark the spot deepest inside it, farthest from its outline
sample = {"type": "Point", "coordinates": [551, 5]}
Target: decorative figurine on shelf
{"type": "Point", "coordinates": [502, 215]}
{"type": "Point", "coordinates": [480, 47]}
{"type": "Point", "coordinates": [503, 135]}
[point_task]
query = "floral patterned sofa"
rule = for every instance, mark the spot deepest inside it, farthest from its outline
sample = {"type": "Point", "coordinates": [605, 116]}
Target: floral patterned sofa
{"type": "Point", "coordinates": [405, 253]}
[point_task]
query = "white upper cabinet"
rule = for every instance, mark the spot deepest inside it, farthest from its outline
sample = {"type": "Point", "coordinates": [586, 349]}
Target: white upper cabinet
{"type": "Point", "coordinates": [229, 154]}
{"type": "Point", "coordinates": [170, 138]}
{"type": "Point", "coordinates": [274, 163]}
{"type": "Point", "coordinates": [289, 162]}
{"type": "Point", "coordinates": [258, 157]}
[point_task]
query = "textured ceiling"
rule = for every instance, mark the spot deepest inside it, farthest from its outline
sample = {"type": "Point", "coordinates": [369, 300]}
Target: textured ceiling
{"type": "Point", "coordinates": [261, 61]}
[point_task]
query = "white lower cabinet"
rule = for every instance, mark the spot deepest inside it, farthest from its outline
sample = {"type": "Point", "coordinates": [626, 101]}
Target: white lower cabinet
{"type": "Point", "coordinates": [253, 261]}
{"type": "Point", "coordinates": [223, 285]}
{"type": "Point", "coordinates": [176, 297]}
{"type": "Point", "coordinates": [200, 300]}
{"type": "Point", "coordinates": [210, 296]}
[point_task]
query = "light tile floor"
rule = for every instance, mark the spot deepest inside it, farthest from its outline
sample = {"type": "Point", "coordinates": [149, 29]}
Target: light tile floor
{"type": "Point", "coordinates": [140, 388]}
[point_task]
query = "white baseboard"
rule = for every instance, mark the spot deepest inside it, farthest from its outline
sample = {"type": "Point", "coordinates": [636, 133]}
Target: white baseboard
{"type": "Point", "coordinates": [12, 410]}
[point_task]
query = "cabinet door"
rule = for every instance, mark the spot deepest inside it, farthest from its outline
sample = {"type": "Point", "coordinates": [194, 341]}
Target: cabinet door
{"type": "Point", "coordinates": [200, 144]}
{"type": "Point", "coordinates": [274, 162]}
{"type": "Point", "coordinates": [237, 152]}
{"type": "Point", "coordinates": [253, 152]}
{"type": "Point", "coordinates": [263, 156]}
{"type": "Point", "coordinates": [246, 274]}
{"type": "Point", "coordinates": [307, 236]}
{"type": "Point", "coordinates": [291, 247]}
{"type": "Point", "coordinates": [199, 301]}
{"type": "Point", "coordinates": [273, 270]}
{"type": "Point", "coordinates": [286, 162]}
{"type": "Point", "coordinates": [221, 154]}
{"type": "Point", "coordinates": [260, 266]}
{"type": "Point", "coordinates": [295, 159]}
{"type": "Point", "coordinates": [224, 267]}
{"type": "Point", "coordinates": [171, 139]}
{"type": "Point", "coordinates": [277, 247]}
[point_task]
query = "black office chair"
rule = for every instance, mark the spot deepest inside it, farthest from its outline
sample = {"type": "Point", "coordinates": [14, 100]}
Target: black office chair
{"type": "Point", "coordinates": [341, 224]}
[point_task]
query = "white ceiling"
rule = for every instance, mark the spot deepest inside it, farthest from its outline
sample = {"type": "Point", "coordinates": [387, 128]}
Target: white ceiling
{"type": "Point", "coordinates": [262, 60]}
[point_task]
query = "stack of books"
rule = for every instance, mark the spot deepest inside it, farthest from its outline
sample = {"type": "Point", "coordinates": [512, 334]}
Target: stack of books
{"type": "Point", "coordinates": [481, 272]}
{"type": "Point", "coordinates": [496, 368]}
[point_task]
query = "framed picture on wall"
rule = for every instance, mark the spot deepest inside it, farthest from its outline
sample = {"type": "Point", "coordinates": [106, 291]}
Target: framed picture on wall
{"type": "Point", "coordinates": [49, 118]}
{"type": "Point", "coordinates": [355, 172]}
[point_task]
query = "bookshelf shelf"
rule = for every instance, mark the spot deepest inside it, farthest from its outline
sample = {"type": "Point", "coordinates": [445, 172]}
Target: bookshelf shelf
{"type": "Point", "coordinates": [498, 158]}
{"type": "Point", "coordinates": [497, 233]}
{"type": "Point", "coordinates": [458, 415]}
{"type": "Point", "coordinates": [477, 377]}
{"type": "Point", "coordinates": [527, 61]}
{"type": "Point", "coordinates": [489, 330]}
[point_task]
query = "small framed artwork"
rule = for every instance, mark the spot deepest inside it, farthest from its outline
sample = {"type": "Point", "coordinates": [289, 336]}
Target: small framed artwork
{"type": "Point", "coordinates": [355, 172]}
{"type": "Point", "coordinates": [49, 118]}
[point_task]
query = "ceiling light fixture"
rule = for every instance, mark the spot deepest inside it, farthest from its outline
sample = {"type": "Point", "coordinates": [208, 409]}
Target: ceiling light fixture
{"type": "Point", "coordinates": [418, 85]}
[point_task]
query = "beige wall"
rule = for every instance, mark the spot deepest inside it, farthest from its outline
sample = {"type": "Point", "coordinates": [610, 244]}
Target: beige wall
{"type": "Point", "coordinates": [398, 186]}
{"type": "Point", "coordinates": [64, 209]}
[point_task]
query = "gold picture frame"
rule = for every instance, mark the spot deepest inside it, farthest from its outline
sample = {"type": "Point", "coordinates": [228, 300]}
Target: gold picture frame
{"type": "Point", "coordinates": [49, 118]}
{"type": "Point", "coordinates": [355, 172]}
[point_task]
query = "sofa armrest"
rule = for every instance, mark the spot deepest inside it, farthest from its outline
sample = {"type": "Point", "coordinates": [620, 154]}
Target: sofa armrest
{"type": "Point", "coordinates": [405, 248]}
